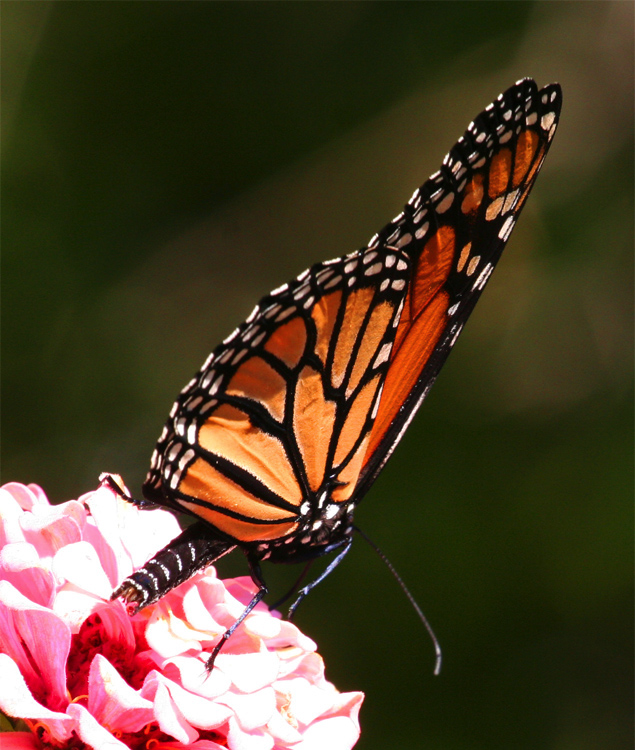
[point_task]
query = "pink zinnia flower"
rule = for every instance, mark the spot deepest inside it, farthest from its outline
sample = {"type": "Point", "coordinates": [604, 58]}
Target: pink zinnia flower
{"type": "Point", "coordinates": [80, 673]}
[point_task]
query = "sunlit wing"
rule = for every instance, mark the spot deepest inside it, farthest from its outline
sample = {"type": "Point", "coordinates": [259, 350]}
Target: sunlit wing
{"type": "Point", "coordinates": [295, 413]}
{"type": "Point", "coordinates": [287, 424]}
{"type": "Point", "coordinates": [454, 230]}
{"type": "Point", "coordinates": [278, 420]}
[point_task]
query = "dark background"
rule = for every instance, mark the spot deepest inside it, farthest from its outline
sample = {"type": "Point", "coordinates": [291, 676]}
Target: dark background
{"type": "Point", "coordinates": [166, 164]}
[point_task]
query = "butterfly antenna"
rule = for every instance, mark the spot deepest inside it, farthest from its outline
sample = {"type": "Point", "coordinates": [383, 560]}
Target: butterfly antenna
{"type": "Point", "coordinates": [411, 599]}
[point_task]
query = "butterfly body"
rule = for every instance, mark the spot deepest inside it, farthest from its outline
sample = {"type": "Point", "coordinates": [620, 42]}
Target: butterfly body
{"type": "Point", "coordinates": [283, 430]}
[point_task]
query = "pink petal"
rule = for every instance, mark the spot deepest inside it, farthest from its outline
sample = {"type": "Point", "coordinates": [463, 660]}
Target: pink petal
{"type": "Point", "coordinates": [170, 635]}
{"type": "Point", "coordinates": [79, 564]}
{"type": "Point", "coordinates": [26, 497]}
{"type": "Point", "coordinates": [21, 566]}
{"type": "Point", "coordinates": [337, 733]}
{"type": "Point", "coordinates": [291, 635]}
{"type": "Point", "coordinates": [338, 728]}
{"type": "Point", "coordinates": [253, 710]}
{"type": "Point", "coordinates": [103, 532]}
{"type": "Point", "coordinates": [112, 702]}
{"type": "Point", "coordinates": [16, 699]}
{"type": "Point", "coordinates": [39, 643]}
{"type": "Point", "coordinates": [198, 711]}
{"type": "Point", "coordinates": [196, 598]}
{"type": "Point", "coordinates": [297, 663]}
{"type": "Point", "coordinates": [91, 732]}
{"type": "Point", "coordinates": [10, 515]}
{"type": "Point", "coordinates": [249, 672]}
{"type": "Point", "coordinates": [52, 529]}
{"type": "Point", "coordinates": [170, 719]}
{"type": "Point", "coordinates": [280, 728]}
{"type": "Point", "coordinates": [190, 672]}
{"type": "Point", "coordinates": [264, 625]}
{"type": "Point", "coordinates": [237, 739]}
{"type": "Point", "coordinates": [73, 606]}
{"type": "Point", "coordinates": [198, 745]}
{"type": "Point", "coordinates": [19, 741]}
{"type": "Point", "coordinates": [307, 701]}
{"type": "Point", "coordinates": [129, 531]}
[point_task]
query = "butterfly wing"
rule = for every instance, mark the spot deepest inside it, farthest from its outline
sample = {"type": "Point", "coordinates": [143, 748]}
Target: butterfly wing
{"type": "Point", "coordinates": [454, 230]}
{"type": "Point", "coordinates": [267, 441]}
{"type": "Point", "coordinates": [292, 417]}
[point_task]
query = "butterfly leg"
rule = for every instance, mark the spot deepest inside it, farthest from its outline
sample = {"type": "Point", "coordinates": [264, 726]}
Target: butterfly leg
{"type": "Point", "coordinates": [256, 577]}
{"type": "Point", "coordinates": [329, 569]}
{"type": "Point", "coordinates": [112, 482]}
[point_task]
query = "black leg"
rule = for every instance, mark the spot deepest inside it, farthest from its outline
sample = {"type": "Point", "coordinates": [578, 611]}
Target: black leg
{"type": "Point", "coordinates": [110, 481]}
{"type": "Point", "coordinates": [329, 569]}
{"type": "Point", "coordinates": [256, 577]}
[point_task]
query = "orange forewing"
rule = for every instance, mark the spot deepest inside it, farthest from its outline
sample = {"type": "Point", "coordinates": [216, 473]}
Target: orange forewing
{"type": "Point", "coordinates": [529, 180]}
{"type": "Point", "coordinates": [351, 431]}
{"type": "Point", "coordinates": [406, 364]}
{"type": "Point", "coordinates": [243, 531]}
{"type": "Point", "coordinates": [204, 482]}
{"type": "Point", "coordinates": [257, 380]}
{"type": "Point", "coordinates": [473, 195]}
{"type": "Point", "coordinates": [357, 305]}
{"type": "Point", "coordinates": [313, 420]}
{"type": "Point", "coordinates": [525, 150]}
{"type": "Point", "coordinates": [324, 315]}
{"type": "Point", "coordinates": [229, 433]}
{"type": "Point", "coordinates": [433, 268]}
{"type": "Point", "coordinates": [287, 343]}
{"type": "Point", "coordinates": [378, 323]}
{"type": "Point", "coordinates": [499, 172]}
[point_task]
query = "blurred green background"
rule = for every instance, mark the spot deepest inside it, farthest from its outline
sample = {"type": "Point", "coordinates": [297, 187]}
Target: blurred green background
{"type": "Point", "coordinates": [166, 164]}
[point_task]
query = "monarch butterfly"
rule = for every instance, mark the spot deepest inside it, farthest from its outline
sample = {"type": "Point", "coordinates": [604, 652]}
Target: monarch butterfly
{"type": "Point", "coordinates": [283, 430]}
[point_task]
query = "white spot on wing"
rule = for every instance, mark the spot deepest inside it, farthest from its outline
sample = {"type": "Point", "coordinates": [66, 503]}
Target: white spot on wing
{"type": "Point", "coordinates": [510, 201]}
{"type": "Point", "coordinates": [546, 121]}
{"type": "Point", "coordinates": [483, 277]}
{"type": "Point", "coordinates": [368, 257]}
{"type": "Point", "coordinates": [456, 335]}
{"type": "Point", "coordinates": [333, 282]}
{"type": "Point", "coordinates": [331, 511]}
{"type": "Point", "coordinates": [285, 313]}
{"type": "Point", "coordinates": [472, 265]}
{"type": "Point", "coordinates": [465, 254]}
{"type": "Point", "coordinates": [494, 208]}
{"type": "Point", "coordinates": [507, 227]}
{"type": "Point", "coordinates": [421, 231]}
{"type": "Point", "coordinates": [279, 290]}
{"type": "Point", "coordinates": [445, 203]}
{"type": "Point", "coordinates": [383, 355]}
